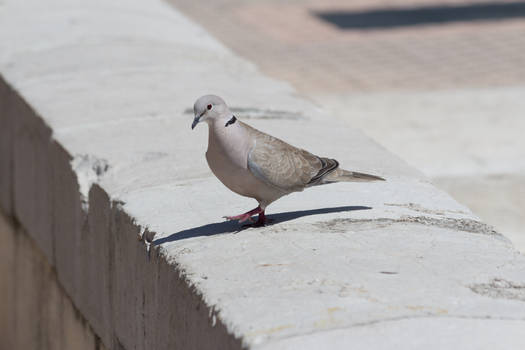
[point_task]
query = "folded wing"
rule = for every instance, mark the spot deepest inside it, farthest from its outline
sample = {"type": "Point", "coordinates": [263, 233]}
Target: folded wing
{"type": "Point", "coordinates": [284, 166]}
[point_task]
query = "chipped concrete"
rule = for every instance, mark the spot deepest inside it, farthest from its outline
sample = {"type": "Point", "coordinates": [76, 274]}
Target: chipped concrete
{"type": "Point", "coordinates": [89, 169]}
{"type": "Point", "coordinates": [145, 256]}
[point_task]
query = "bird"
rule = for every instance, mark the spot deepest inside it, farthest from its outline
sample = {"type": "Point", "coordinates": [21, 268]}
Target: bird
{"type": "Point", "coordinates": [254, 164]}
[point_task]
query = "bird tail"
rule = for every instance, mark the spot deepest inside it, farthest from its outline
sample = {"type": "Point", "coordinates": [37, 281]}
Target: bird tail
{"type": "Point", "coordinates": [339, 175]}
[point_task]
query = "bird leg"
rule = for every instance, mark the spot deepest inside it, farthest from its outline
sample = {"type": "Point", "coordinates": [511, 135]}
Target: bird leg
{"type": "Point", "coordinates": [261, 220]}
{"type": "Point", "coordinates": [248, 216]}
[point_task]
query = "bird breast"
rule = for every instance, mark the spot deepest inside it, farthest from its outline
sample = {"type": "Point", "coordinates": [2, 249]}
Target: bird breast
{"type": "Point", "coordinates": [227, 156]}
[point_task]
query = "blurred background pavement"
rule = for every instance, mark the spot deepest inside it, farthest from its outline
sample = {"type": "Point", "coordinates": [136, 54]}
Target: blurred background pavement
{"type": "Point", "coordinates": [439, 83]}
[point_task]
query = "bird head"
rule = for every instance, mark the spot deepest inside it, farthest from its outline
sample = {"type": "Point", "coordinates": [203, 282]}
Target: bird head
{"type": "Point", "coordinates": [208, 108]}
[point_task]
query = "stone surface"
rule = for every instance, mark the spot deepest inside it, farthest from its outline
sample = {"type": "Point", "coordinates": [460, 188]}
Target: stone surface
{"type": "Point", "coordinates": [449, 333]}
{"type": "Point", "coordinates": [505, 193]}
{"type": "Point", "coordinates": [109, 88]}
{"type": "Point", "coordinates": [467, 141]}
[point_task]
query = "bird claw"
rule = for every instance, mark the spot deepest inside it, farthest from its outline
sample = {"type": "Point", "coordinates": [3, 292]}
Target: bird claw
{"type": "Point", "coordinates": [246, 216]}
{"type": "Point", "coordinates": [261, 220]}
{"type": "Point", "coordinates": [241, 218]}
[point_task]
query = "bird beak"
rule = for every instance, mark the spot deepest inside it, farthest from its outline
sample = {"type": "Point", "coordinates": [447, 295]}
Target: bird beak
{"type": "Point", "coordinates": [195, 122]}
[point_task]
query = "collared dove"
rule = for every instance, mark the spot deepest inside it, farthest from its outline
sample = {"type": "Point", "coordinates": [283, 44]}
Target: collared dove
{"type": "Point", "coordinates": [257, 165]}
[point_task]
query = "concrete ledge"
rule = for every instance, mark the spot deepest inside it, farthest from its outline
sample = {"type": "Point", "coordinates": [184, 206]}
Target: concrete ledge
{"type": "Point", "coordinates": [97, 152]}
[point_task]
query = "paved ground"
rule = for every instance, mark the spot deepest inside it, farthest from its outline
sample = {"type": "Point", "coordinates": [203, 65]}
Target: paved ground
{"type": "Point", "coordinates": [287, 40]}
{"type": "Point", "coordinates": [446, 97]}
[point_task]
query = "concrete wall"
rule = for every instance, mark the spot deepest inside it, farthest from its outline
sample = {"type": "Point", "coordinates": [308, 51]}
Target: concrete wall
{"type": "Point", "coordinates": [123, 291]}
{"type": "Point", "coordinates": [36, 312]}
{"type": "Point", "coordinates": [97, 154]}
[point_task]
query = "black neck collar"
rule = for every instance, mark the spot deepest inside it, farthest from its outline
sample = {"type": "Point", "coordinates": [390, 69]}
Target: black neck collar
{"type": "Point", "coordinates": [231, 121]}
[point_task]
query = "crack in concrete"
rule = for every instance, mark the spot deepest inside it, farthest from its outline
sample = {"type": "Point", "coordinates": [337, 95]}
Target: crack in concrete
{"type": "Point", "coordinates": [397, 318]}
{"type": "Point", "coordinates": [500, 288]}
{"type": "Point", "coordinates": [432, 315]}
{"type": "Point", "coordinates": [420, 208]}
{"type": "Point", "coordinates": [466, 225]}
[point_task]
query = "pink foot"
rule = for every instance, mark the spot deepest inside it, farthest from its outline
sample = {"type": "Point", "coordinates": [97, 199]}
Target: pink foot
{"type": "Point", "coordinates": [248, 216]}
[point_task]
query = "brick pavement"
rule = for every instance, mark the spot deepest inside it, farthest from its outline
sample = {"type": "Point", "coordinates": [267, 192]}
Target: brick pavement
{"type": "Point", "coordinates": [286, 40]}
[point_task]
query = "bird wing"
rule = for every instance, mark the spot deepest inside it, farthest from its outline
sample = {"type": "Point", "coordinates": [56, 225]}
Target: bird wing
{"type": "Point", "coordinates": [284, 166]}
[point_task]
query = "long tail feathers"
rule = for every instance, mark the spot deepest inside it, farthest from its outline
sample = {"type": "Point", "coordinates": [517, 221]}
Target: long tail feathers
{"type": "Point", "coordinates": [349, 176]}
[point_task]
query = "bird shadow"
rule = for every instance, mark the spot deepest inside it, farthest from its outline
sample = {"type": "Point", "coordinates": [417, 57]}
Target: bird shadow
{"type": "Point", "coordinates": [234, 226]}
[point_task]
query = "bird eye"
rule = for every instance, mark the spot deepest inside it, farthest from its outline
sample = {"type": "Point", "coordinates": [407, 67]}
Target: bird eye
{"type": "Point", "coordinates": [209, 107]}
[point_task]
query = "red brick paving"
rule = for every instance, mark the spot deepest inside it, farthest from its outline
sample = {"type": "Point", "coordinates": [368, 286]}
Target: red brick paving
{"type": "Point", "coordinates": [286, 41]}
